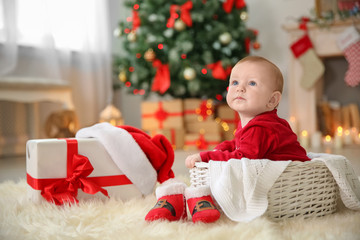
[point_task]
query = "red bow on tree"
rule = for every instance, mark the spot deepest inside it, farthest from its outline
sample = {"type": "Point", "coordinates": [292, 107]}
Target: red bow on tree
{"type": "Point", "coordinates": [229, 4]}
{"type": "Point", "coordinates": [67, 189]}
{"type": "Point", "coordinates": [185, 15]}
{"type": "Point", "coordinates": [136, 20]}
{"type": "Point", "coordinates": [161, 81]}
{"type": "Point", "coordinates": [218, 71]}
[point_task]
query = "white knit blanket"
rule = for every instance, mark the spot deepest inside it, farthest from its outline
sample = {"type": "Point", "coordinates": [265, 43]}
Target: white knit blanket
{"type": "Point", "coordinates": [241, 187]}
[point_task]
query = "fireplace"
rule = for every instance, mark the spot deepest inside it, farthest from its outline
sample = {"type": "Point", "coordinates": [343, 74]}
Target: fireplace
{"type": "Point", "coordinates": [305, 105]}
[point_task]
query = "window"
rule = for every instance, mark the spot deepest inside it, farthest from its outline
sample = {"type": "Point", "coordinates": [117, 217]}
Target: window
{"type": "Point", "coordinates": [40, 22]}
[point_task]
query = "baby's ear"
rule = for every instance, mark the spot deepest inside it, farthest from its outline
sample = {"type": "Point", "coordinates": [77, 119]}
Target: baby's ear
{"type": "Point", "coordinates": [274, 100]}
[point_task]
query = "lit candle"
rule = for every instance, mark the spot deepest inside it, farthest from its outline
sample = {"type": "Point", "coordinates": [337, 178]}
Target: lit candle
{"type": "Point", "coordinates": [354, 134]}
{"type": "Point", "coordinates": [304, 139]}
{"type": "Point", "coordinates": [328, 143]}
{"type": "Point", "coordinates": [293, 124]}
{"type": "Point", "coordinates": [347, 137]}
{"type": "Point", "coordinates": [316, 140]}
{"type": "Point", "coordinates": [338, 142]}
{"type": "Point", "coordinates": [357, 140]}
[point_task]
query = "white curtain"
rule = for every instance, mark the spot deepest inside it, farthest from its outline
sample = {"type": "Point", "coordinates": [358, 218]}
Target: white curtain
{"type": "Point", "coordinates": [59, 42]}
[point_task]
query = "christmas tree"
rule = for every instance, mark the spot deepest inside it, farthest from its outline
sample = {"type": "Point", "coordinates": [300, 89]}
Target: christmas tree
{"type": "Point", "coordinates": [183, 48]}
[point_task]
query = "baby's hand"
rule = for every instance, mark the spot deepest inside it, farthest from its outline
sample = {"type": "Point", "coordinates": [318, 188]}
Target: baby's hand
{"type": "Point", "coordinates": [190, 160]}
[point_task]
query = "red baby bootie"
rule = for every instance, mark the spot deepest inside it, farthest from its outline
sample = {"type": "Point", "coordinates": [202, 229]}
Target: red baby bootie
{"type": "Point", "coordinates": [171, 204]}
{"type": "Point", "coordinates": [201, 205]}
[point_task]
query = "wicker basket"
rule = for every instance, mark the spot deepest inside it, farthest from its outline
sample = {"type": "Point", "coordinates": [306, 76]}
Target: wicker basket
{"type": "Point", "coordinates": [304, 190]}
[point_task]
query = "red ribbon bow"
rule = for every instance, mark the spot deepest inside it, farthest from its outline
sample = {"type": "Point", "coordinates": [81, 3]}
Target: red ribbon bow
{"type": "Point", "coordinates": [303, 23]}
{"type": "Point", "coordinates": [204, 109]}
{"type": "Point", "coordinates": [162, 80]}
{"type": "Point", "coordinates": [67, 189]}
{"type": "Point", "coordinates": [136, 20]}
{"type": "Point", "coordinates": [78, 168]}
{"type": "Point", "coordinates": [218, 71]}
{"type": "Point", "coordinates": [229, 4]}
{"type": "Point", "coordinates": [201, 143]}
{"type": "Point", "coordinates": [185, 15]}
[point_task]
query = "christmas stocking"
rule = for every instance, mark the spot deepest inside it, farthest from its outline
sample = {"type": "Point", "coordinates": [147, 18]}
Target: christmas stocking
{"type": "Point", "coordinates": [313, 67]}
{"type": "Point", "coordinates": [201, 205]}
{"type": "Point", "coordinates": [349, 43]}
{"type": "Point", "coordinates": [171, 203]}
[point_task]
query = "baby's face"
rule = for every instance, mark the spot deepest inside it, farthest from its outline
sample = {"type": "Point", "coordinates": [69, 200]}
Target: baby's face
{"type": "Point", "coordinates": [251, 87]}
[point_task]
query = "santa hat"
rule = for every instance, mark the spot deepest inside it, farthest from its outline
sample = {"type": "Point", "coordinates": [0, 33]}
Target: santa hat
{"type": "Point", "coordinates": [144, 160]}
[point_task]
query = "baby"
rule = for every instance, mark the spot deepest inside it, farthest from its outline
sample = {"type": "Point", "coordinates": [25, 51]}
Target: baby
{"type": "Point", "coordinates": [255, 89]}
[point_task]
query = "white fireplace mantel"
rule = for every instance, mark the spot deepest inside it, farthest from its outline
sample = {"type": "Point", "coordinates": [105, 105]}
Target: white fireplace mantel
{"type": "Point", "coordinates": [303, 102]}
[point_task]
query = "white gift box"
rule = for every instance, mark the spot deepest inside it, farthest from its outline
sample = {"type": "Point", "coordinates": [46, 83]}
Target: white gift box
{"type": "Point", "coordinates": [47, 161]}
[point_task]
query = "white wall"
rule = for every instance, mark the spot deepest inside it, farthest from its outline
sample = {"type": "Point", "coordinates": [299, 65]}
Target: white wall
{"type": "Point", "coordinates": [267, 16]}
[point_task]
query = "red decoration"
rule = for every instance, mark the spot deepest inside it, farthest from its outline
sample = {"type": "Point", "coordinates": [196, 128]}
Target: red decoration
{"type": "Point", "coordinates": [185, 15]}
{"type": "Point", "coordinates": [201, 142]}
{"type": "Point", "coordinates": [301, 46]}
{"type": "Point", "coordinates": [229, 4]}
{"type": "Point", "coordinates": [303, 23]}
{"type": "Point", "coordinates": [61, 190]}
{"type": "Point", "coordinates": [204, 110]}
{"type": "Point", "coordinates": [247, 45]}
{"type": "Point", "coordinates": [161, 115]}
{"type": "Point", "coordinates": [136, 20]}
{"type": "Point", "coordinates": [162, 80]}
{"type": "Point", "coordinates": [256, 45]}
{"type": "Point", "coordinates": [218, 71]}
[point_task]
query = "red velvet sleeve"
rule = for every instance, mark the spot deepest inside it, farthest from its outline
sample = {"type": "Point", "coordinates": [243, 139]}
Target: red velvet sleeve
{"type": "Point", "coordinates": [254, 143]}
{"type": "Point", "coordinates": [226, 146]}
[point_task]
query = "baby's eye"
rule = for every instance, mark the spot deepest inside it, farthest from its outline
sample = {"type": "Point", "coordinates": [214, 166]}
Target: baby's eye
{"type": "Point", "coordinates": [234, 83]}
{"type": "Point", "coordinates": [252, 83]}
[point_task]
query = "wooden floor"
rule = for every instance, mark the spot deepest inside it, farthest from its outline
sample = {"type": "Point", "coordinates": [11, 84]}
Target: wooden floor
{"type": "Point", "coordinates": [14, 168]}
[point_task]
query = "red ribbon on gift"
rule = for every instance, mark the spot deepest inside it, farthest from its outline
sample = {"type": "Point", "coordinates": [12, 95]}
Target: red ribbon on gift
{"type": "Point", "coordinates": [229, 4]}
{"type": "Point", "coordinates": [136, 20]}
{"type": "Point", "coordinates": [201, 143]}
{"type": "Point", "coordinates": [234, 120]}
{"type": "Point", "coordinates": [185, 15]}
{"type": "Point", "coordinates": [203, 110]}
{"type": "Point", "coordinates": [161, 115]}
{"type": "Point", "coordinates": [218, 71]}
{"type": "Point", "coordinates": [162, 80]}
{"type": "Point", "coordinates": [61, 190]}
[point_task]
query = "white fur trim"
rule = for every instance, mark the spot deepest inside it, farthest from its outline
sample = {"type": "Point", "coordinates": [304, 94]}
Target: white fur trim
{"type": "Point", "coordinates": [195, 192]}
{"type": "Point", "coordinates": [170, 187]}
{"type": "Point", "coordinates": [348, 37]}
{"type": "Point", "coordinates": [125, 152]}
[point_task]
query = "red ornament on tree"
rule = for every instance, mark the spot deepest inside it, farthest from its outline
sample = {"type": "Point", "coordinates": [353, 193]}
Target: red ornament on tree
{"type": "Point", "coordinates": [256, 45]}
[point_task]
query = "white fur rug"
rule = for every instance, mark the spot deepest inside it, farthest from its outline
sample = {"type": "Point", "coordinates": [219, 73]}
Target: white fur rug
{"type": "Point", "coordinates": [111, 219]}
